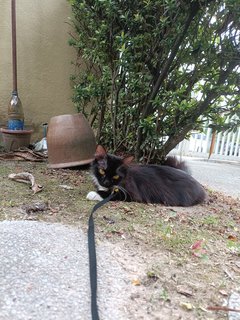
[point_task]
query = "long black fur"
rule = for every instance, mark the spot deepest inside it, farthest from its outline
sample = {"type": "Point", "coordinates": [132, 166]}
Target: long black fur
{"type": "Point", "coordinates": [169, 184]}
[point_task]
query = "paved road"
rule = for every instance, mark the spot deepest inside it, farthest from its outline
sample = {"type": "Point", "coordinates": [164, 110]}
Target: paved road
{"type": "Point", "coordinates": [44, 274]}
{"type": "Point", "coordinates": [219, 176]}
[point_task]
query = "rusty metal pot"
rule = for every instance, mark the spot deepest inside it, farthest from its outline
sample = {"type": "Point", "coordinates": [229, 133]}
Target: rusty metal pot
{"type": "Point", "coordinates": [70, 141]}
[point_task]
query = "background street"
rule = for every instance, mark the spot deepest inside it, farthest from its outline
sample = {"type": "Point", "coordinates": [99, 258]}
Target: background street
{"type": "Point", "coordinates": [219, 176]}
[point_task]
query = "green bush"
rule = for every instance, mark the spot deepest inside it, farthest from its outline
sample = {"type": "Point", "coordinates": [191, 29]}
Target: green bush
{"type": "Point", "coordinates": [147, 71]}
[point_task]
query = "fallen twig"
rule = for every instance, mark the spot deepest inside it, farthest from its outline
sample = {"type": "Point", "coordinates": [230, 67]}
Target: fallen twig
{"type": "Point", "coordinates": [221, 308]}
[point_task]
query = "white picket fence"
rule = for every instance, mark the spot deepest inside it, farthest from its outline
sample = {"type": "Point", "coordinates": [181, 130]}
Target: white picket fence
{"type": "Point", "coordinates": [225, 146]}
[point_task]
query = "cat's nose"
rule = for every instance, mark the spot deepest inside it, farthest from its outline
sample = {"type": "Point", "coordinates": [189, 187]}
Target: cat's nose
{"type": "Point", "coordinates": [107, 183]}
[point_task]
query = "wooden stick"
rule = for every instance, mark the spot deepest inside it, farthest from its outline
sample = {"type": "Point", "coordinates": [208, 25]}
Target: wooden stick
{"type": "Point", "coordinates": [221, 308]}
{"type": "Point", "coordinates": [212, 144]}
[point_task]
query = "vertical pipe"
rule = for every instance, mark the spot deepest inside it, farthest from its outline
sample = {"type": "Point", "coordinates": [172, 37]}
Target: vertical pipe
{"type": "Point", "coordinates": [14, 46]}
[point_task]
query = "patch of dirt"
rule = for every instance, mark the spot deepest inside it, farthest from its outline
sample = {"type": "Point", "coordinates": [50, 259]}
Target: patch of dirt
{"type": "Point", "coordinates": [180, 261]}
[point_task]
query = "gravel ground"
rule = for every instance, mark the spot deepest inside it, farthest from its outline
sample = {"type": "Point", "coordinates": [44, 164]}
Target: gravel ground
{"type": "Point", "coordinates": [44, 274]}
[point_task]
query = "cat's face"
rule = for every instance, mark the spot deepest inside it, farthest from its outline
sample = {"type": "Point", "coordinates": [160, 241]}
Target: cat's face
{"type": "Point", "coordinates": [105, 168]}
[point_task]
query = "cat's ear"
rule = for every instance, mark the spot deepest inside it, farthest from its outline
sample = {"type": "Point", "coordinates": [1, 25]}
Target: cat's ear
{"type": "Point", "coordinates": [101, 157]}
{"type": "Point", "coordinates": [128, 160]}
{"type": "Point", "coordinates": [100, 152]}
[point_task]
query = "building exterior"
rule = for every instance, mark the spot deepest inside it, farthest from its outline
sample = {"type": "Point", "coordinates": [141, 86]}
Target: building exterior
{"type": "Point", "coordinates": [43, 58]}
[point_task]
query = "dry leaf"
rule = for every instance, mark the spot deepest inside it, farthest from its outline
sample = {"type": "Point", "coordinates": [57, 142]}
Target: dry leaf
{"type": "Point", "coordinates": [186, 305]}
{"type": "Point", "coordinates": [136, 282]}
{"type": "Point", "coordinates": [223, 293]}
{"type": "Point", "coordinates": [198, 249]}
{"type": "Point", "coordinates": [197, 245]}
{"type": "Point", "coordinates": [127, 209]}
{"type": "Point", "coordinates": [66, 187]}
{"type": "Point", "coordinates": [109, 221]}
{"type": "Point", "coordinates": [184, 291]}
{"type": "Point", "coordinates": [232, 238]}
{"type": "Point", "coordinates": [36, 207]}
{"type": "Point", "coordinates": [36, 188]}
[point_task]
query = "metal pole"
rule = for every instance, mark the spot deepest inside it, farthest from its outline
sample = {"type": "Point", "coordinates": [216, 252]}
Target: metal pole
{"type": "Point", "coordinates": [14, 46]}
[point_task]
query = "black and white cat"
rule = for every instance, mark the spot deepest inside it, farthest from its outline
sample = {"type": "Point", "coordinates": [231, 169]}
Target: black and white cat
{"type": "Point", "coordinates": [169, 184]}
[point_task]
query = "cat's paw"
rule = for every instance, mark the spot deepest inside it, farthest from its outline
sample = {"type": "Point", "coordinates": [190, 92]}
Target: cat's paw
{"type": "Point", "coordinates": [94, 196]}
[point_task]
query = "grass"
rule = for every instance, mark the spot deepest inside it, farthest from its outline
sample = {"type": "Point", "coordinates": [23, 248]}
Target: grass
{"type": "Point", "coordinates": [173, 228]}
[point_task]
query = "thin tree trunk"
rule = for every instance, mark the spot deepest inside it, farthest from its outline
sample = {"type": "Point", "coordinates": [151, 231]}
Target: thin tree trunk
{"type": "Point", "coordinates": [101, 120]}
{"type": "Point", "coordinates": [148, 109]}
{"type": "Point", "coordinates": [177, 137]}
{"type": "Point", "coordinates": [193, 11]}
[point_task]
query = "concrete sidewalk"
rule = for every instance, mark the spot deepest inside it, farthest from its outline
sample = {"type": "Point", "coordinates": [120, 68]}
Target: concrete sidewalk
{"type": "Point", "coordinates": [44, 274]}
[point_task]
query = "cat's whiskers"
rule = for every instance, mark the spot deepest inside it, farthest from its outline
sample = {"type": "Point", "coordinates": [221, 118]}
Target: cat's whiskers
{"type": "Point", "coordinates": [124, 191]}
{"type": "Point", "coordinates": [97, 184]}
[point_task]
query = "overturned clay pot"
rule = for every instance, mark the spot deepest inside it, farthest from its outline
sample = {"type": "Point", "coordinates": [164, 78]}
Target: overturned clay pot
{"type": "Point", "coordinates": [70, 141]}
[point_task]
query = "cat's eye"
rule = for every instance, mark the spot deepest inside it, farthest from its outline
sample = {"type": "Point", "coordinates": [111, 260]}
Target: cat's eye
{"type": "Point", "coordinates": [116, 177]}
{"type": "Point", "coordinates": [102, 172]}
